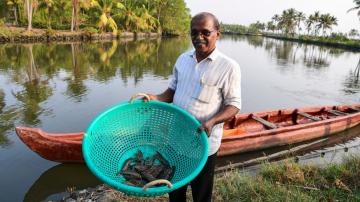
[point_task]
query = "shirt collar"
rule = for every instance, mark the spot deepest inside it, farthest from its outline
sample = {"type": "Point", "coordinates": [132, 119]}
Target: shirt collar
{"type": "Point", "coordinates": [212, 56]}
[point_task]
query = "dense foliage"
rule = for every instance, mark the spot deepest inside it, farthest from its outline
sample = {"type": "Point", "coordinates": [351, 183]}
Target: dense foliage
{"type": "Point", "coordinates": [168, 16]}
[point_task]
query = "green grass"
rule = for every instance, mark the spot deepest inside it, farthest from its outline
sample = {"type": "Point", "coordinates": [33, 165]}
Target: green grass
{"type": "Point", "coordinates": [8, 32]}
{"type": "Point", "coordinates": [288, 181]}
{"type": "Point", "coordinates": [333, 40]}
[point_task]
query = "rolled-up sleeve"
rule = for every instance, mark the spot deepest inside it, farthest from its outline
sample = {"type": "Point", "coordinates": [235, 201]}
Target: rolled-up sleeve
{"type": "Point", "coordinates": [232, 87]}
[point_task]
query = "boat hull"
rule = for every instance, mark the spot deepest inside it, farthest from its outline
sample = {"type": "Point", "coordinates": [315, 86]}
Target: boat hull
{"type": "Point", "coordinates": [68, 147]}
{"type": "Point", "coordinates": [54, 147]}
{"type": "Point", "coordinates": [286, 136]}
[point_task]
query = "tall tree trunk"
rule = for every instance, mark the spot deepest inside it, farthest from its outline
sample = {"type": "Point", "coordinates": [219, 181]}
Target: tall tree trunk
{"type": "Point", "coordinates": [76, 11]}
{"type": "Point", "coordinates": [29, 13]}
{"type": "Point", "coordinates": [49, 20]}
{"type": "Point", "coordinates": [15, 15]}
{"type": "Point", "coordinates": [74, 16]}
{"type": "Point", "coordinates": [30, 17]}
{"type": "Point", "coordinates": [72, 19]}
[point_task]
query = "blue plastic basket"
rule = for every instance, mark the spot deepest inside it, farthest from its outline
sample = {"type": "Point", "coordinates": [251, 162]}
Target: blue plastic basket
{"type": "Point", "coordinates": [118, 133]}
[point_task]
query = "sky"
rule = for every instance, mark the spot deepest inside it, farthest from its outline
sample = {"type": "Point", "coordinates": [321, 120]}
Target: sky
{"type": "Point", "coordinates": [247, 12]}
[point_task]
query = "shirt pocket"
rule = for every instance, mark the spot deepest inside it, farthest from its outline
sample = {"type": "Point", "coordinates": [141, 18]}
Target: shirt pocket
{"type": "Point", "coordinates": [207, 92]}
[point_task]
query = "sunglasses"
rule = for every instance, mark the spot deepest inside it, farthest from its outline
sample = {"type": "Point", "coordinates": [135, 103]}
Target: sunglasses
{"type": "Point", "coordinates": [204, 32]}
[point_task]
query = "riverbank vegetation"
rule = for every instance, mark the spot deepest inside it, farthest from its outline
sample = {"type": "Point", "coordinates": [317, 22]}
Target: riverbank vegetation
{"type": "Point", "coordinates": [288, 181]}
{"type": "Point", "coordinates": [161, 16]}
{"type": "Point", "coordinates": [295, 25]}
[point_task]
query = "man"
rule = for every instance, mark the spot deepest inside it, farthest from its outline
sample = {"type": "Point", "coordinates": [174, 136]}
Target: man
{"type": "Point", "coordinates": [205, 83]}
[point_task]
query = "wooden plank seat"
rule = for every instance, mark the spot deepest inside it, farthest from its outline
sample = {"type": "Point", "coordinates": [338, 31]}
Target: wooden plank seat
{"type": "Point", "coordinates": [355, 109]}
{"type": "Point", "coordinates": [266, 123]}
{"type": "Point", "coordinates": [306, 115]}
{"type": "Point", "coordinates": [336, 112]}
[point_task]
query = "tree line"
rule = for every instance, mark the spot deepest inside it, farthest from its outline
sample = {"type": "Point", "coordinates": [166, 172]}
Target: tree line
{"type": "Point", "coordinates": [293, 22]}
{"type": "Point", "coordinates": [166, 16]}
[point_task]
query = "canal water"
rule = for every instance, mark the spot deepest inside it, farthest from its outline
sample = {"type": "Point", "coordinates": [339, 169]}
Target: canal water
{"type": "Point", "coordinates": [61, 87]}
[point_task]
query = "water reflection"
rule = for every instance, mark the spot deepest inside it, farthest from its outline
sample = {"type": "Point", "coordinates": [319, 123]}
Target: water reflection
{"type": "Point", "coordinates": [32, 70]}
{"type": "Point", "coordinates": [52, 184]}
{"type": "Point", "coordinates": [7, 116]}
{"type": "Point", "coordinates": [255, 41]}
{"type": "Point", "coordinates": [76, 88]}
{"type": "Point", "coordinates": [352, 81]}
{"type": "Point", "coordinates": [287, 52]}
{"type": "Point", "coordinates": [316, 57]}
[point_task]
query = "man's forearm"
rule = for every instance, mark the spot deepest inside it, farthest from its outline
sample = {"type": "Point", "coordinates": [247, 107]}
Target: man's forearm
{"type": "Point", "coordinates": [166, 96]}
{"type": "Point", "coordinates": [227, 113]}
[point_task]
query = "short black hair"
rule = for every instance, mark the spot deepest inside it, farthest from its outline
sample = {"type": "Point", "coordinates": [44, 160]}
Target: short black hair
{"type": "Point", "coordinates": [206, 15]}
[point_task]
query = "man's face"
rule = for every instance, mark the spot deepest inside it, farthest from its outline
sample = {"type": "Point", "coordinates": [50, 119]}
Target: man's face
{"type": "Point", "coordinates": [204, 35]}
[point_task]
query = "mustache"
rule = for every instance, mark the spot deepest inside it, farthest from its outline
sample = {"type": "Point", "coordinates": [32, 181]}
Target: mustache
{"type": "Point", "coordinates": [200, 42]}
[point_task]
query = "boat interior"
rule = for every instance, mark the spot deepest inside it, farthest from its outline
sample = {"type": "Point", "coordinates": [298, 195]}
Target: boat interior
{"type": "Point", "coordinates": [256, 122]}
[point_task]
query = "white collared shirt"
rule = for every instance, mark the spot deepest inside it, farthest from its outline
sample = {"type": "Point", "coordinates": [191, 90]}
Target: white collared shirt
{"type": "Point", "coordinates": [204, 88]}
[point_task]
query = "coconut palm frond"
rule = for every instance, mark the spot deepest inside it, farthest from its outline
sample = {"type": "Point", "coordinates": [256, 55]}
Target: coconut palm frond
{"type": "Point", "coordinates": [112, 25]}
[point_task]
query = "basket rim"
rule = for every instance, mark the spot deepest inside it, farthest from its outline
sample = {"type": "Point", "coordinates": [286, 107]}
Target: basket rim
{"type": "Point", "coordinates": [138, 190]}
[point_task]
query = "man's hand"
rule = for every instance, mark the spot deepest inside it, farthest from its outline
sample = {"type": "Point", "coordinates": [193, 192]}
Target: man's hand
{"type": "Point", "coordinates": [227, 113]}
{"type": "Point", "coordinates": [150, 97]}
{"type": "Point", "coordinates": [166, 96]}
{"type": "Point", "coordinates": [207, 126]}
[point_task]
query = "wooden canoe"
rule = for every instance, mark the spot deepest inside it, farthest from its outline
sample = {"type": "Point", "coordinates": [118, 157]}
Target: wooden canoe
{"type": "Point", "coordinates": [245, 132]}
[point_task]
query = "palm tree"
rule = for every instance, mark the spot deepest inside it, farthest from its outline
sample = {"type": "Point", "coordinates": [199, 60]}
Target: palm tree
{"type": "Point", "coordinates": [129, 15]}
{"type": "Point", "coordinates": [357, 2]}
{"type": "Point", "coordinates": [149, 22]}
{"type": "Point", "coordinates": [353, 33]}
{"type": "Point", "coordinates": [105, 18]}
{"type": "Point", "coordinates": [276, 19]}
{"type": "Point", "coordinates": [312, 23]}
{"type": "Point", "coordinates": [49, 7]}
{"type": "Point", "coordinates": [326, 22]}
{"type": "Point", "coordinates": [271, 26]}
{"type": "Point", "coordinates": [288, 21]}
{"type": "Point", "coordinates": [14, 5]}
{"type": "Point", "coordinates": [256, 27]}
{"type": "Point", "coordinates": [316, 18]}
{"type": "Point", "coordinates": [309, 23]}
{"type": "Point", "coordinates": [299, 16]}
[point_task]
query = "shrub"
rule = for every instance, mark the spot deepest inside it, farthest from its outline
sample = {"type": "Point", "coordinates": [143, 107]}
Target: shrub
{"type": "Point", "coordinates": [339, 36]}
{"type": "Point", "coordinates": [90, 30]}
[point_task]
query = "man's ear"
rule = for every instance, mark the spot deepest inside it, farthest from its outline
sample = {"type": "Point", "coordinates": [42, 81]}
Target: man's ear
{"type": "Point", "coordinates": [218, 34]}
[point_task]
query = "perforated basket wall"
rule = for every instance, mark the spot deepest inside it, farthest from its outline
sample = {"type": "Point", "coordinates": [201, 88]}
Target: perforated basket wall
{"type": "Point", "coordinates": [118, 133]}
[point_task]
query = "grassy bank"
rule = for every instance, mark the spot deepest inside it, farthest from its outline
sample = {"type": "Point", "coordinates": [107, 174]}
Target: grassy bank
{"type": "Point", "coordinates": [336, 41]}
{"type": "Point", "coordinates": [288, 181]}
{"type": "Point", "coordinates": [332, 41]}
{"type": "Point", "coordinates": [21, 35]}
